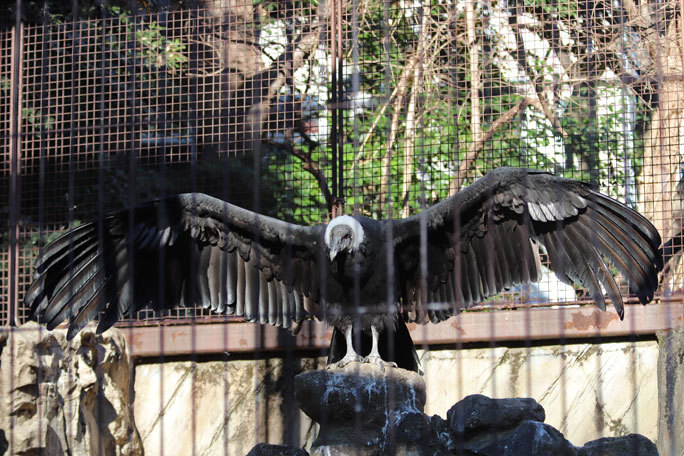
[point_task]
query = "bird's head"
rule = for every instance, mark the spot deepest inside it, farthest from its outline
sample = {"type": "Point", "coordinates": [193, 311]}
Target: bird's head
{"type": "Point", "coordinates": [343, 234]}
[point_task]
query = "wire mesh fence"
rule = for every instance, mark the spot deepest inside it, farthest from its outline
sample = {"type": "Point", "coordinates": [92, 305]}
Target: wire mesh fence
{"type": "Point", "coordinates": [291, 108]}
{"type": "Point", "coordinates": [392, 108]}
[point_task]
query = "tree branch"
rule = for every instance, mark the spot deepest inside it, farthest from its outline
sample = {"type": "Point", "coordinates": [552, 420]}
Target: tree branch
{"type": "Point", "coordinates": [412, 120]}
{"type": "Point", "coordinates": [309, 166]}
{"type": "Point", "coordinates": [477, 147]}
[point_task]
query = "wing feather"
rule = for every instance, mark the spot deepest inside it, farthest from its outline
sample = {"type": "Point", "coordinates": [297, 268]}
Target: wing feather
{"type": "Point", "coordinates": [512, 264]}
{"type": "Point", "coordinates": [252, 288]}
{"type": "Point", "coordinates": [64, 245]}
{"type": "Point", "coordinates": [203, 272]}
{"type": "Point", "coordinates": [493, 226]}
{"type": "Point", "coordinates": [503, 267]}
{"type": "Point", "coordinates": [473, 277]}
{"type": "Point", "coordinates": [465, 280]}
{"type": "Point", "coordinates": [450, 292]}
{"type": "Point", "coordinates": [478, 257]}
{"type": "Point", "coordinates": [620, 244]}
{"type": "Point", "coordinates": [619, 256]}
{"type": "Point", "coordinates": [215, 254]}
{"type": "Point", "coordinates": [116, 309]}
{"type": "Point", "coordinates": [215, 272]}
{"type": "Point", "coordinates": [241, 265]}
{"type": "Point", "coordinates": [284, 316]}
{"type": "Point", "coordinates": [577, 232]}
{"type": "Point", "coordinates": [300, 311]}
{"type": "Point", "coordinates": [577, 267]}
{"type": "Point", "coordinates": [80, 286]}
{"type": "Point", "coordinates": [54, 276]}
{"type": "Point", "coordinates": [275, 316]}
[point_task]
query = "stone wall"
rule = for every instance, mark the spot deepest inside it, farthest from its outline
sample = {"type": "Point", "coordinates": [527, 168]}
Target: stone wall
{"type": "Point", "coordinates": [59, 397]}
{"type": "Point", "coordinates": [671, 393]}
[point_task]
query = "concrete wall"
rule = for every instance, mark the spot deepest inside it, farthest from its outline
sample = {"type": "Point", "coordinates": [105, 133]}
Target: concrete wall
{"type": "Point", "coordinates": [219, 407]}
{"type": "Point", "coordinates": [588, 391]}
{"type": "Point", "coordinates": [228, 406]}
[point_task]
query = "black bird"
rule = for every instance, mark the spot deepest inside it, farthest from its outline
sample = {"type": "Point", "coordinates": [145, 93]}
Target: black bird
{"type": "Point", "coordinates": [354, 272]}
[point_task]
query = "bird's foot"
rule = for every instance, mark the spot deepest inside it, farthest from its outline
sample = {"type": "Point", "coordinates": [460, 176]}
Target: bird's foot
{"type": "Point", "coordinates": [348, 358]}
{"type": "Point", "coordinates": [378, 361]}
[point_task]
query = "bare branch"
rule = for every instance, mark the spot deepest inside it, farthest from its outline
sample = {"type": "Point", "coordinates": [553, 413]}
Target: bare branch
{"type": "Point", "coordinates": [309, 165]}
{"type": "Point", "coordinates": [402, 88]}
{"type": "Point", "coordinates": [412, 120]}
{"type": "Point", "coordinates": [541, 102]}
{"type": "Point", "coordinates": [476, 147]}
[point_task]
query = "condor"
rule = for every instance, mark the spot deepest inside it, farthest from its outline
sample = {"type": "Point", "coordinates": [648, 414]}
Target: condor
{"type": "Point", "coordinates": [355, 273]}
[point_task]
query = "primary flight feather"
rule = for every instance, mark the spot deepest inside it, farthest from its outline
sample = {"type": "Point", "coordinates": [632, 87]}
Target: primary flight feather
{"type": "Point", "coordinates": [354, 272]}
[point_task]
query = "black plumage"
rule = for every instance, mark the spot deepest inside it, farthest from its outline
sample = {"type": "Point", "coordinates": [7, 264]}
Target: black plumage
{"type": "Point", "coordinates": [193, 249]}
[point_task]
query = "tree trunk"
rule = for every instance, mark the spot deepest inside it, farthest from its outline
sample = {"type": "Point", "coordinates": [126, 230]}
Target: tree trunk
{"type": "Point", "coordinates": [662, 139]}
{"type": "Point", "coordinates": [475, 84]}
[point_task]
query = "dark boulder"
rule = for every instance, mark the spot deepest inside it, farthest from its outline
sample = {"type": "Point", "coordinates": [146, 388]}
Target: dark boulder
{"type": "Point", "coordinates": [265, 449]}
{"type": "Point", "coordinates": [628, 445]}
{"type": "Point", "coordinates": [477, 413]}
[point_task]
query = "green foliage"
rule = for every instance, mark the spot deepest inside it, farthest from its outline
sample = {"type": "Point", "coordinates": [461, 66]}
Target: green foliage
{"type": "Point", "coordinates": [598, 145]}
{"type": "Point", "coordinates": [32, 116]}
{"type": "Point", "coordinates": [150, 64]}
{"type": "Point", "coordinates": [40, 239]}
{"type": "Point", "coordinates": [137, 65]}
{"type": "Point", "coordinates": [298, 197]}
{"type": "Point", "coordinates": [153, 49]}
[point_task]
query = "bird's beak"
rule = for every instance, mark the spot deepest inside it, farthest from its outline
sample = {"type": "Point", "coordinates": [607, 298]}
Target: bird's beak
{"type": "Point", "coordinates": [333, 253]}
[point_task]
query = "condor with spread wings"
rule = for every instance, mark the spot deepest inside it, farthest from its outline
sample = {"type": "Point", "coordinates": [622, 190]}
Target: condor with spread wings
{"type": "Point", "coordinates": [354, 272]}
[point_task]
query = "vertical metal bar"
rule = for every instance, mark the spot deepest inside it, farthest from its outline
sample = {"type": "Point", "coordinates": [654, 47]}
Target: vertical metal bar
{"type": "Point", "coordinates": [659, 172]}
{"type": "Point", "coordinates": [681, 31]}
{"type": "Point", "coordinates": [44, 108]}
{"type": "Point", "coordinates": [335, 102]}
{"type": "Point", "coordinates": [72, 56]}
{"type": "Point", "coordinates": [15, 157]}
{"type": "Point", "coordinates": [353, 98]}
{"type": "Point", "coordinates": [340, 110]}
{"type": "Point", "coordinates": [193, 124]}
{"type": "Point", "coordinates": [15, 129]}
{"type": "Point", "coordinates": [98, 103]}
{"type": "Point", "coordinates": [387, 67]}
{"type": "Point", "coordinates": [131, 76]}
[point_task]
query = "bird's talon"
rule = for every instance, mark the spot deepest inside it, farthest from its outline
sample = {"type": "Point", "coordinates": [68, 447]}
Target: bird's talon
{"type": "Point", "coordinates": [344, 361]}
{"type": "Point", "coordinates": [378, 361]}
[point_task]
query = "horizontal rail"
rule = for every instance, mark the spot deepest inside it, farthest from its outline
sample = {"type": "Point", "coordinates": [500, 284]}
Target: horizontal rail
{"type": "Point", "coordinates": [469, 327]}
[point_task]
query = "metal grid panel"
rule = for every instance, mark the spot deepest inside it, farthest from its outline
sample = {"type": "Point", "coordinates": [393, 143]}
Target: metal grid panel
{"type": "Point", "coordinates": [124, 108]}
{"type": "Point", "coordinates": [5, 168]}
{"type": "Point", "coordinates": [497, 85]}
{"type": "Point", "coordinates": [5, 85]}
{"type": "Point", "coordinates": [244, 103]}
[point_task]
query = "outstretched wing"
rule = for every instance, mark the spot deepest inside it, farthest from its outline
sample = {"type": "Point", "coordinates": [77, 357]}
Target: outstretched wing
{"type": "Point", "coordinates": [483, 240]}
{"type": "Point", "coordinates": [189, 249]}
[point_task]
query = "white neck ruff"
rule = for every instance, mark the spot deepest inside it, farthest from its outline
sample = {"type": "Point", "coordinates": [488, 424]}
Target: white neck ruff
{"type": "Point", "coordinates": [352, 223]}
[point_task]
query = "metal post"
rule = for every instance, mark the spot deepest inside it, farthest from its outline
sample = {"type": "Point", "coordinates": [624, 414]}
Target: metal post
{"type": "Point", "coordinates": [339, 88]}
{"type": "Point", "coordinates": [333, 94]}
{"type": "Point", "coordinates": [15, 155]}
